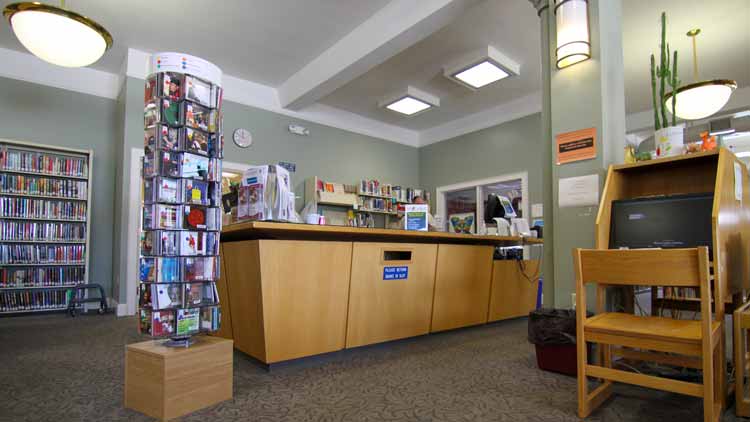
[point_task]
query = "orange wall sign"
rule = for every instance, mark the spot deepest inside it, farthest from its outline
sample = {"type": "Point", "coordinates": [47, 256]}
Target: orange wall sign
{"type": "Point", "coordinates": [576, 146]}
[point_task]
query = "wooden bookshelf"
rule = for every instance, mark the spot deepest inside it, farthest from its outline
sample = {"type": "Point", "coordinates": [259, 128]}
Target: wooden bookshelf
{"type": "Point", "coordinates": [34, 180]}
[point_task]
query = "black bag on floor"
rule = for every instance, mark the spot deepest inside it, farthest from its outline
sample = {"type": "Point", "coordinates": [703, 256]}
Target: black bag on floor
{"type": "Point", "coordinates": [552, 327]}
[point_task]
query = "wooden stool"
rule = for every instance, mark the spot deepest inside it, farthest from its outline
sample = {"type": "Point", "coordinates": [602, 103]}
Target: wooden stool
{"type": "Point", "coordinates": [741, 323]}
{"type": "Point", "coordinates": [166, 382]}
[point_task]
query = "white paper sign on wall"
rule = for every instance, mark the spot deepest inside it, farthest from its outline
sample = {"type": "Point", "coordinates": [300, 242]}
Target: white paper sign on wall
{"type": "Point", "coordinates": [581, 191]}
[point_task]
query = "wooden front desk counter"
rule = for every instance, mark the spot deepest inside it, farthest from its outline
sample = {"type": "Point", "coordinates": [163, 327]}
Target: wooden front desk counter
{"type": "Point", "coordinates": [295, 290]}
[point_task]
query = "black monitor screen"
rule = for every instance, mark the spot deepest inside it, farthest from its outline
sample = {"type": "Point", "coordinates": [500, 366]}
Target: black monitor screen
{"type": "Point", "coordinates": [677, 221]}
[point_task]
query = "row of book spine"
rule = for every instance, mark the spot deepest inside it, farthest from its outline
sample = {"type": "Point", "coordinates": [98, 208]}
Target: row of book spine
{"type": "Point", "coordinates": [40, 231]}
{"type": "Point", "coordinates": [41, 276]}
{"type": "Point", "coordinates": [41, 254]}
{"type": "Point", "coordinates": [35, 185]}
{"type": "Point", "coordinates": [43, 163]}
{"type": "Point", "coordinates": [33, 300]}
{"type": "Point", "coordinates": [42, 208]}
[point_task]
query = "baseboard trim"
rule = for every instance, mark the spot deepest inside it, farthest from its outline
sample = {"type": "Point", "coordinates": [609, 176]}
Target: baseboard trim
{"type": "Point", "coordinates": [122, 309]}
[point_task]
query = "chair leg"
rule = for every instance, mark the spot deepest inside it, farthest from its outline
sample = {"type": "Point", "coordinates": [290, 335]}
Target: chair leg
{"type": "Point", "coordinates": [708, 384]}
{"type": "Point", "coordinates": [583, 388]}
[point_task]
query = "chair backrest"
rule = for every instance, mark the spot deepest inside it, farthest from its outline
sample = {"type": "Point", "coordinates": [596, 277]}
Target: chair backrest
{"type": "Point", "coordinates": [643, 267]}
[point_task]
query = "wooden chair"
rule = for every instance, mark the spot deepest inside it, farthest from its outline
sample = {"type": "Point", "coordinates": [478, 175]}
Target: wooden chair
{"type": "Point", "coordinates": [741, 323]}
{"type": "Point", "coordinates": [697, 342]}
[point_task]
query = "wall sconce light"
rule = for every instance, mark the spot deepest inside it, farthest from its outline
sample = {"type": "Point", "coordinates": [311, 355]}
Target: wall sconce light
{"type": "Point", "coordinates": [572, 18]}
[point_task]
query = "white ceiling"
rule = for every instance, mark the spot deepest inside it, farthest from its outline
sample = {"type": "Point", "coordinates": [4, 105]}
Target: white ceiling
{"type": "Point", "coordinates": [332, 60]}
{"type": "Point", "coordinates": [511, 26]}
{"type": "Point", "coordinates": [264, 41]}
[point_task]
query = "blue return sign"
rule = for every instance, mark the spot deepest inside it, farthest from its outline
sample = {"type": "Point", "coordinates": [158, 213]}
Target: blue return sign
{"type": "Point", "coordinates": [395, 273]}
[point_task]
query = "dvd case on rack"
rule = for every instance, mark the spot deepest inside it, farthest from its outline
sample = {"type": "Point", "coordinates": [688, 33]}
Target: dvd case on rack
{"type": "Point", "coordinates": [214, 170]}
{"type": "Point", "coordinates": [216, 145]}
{"type": "Point", "coordinates": [215, 194]}
{"type": "Point", "coordinates": [199, 268]}
{"type": "Point", "coordinates": [151, 89]}
{"type": "Point", "coordinates": [144, 296]}
{"type": "Point", "coordinates": [193, 294]}
{"type": "Point", "coordinates": [161, 137]}
{"type": "Point", "coordinates": [217, 95]}
{"type": "Point", "coordinates": [163, 323]}
{"type": "Point", "coordinates": [196, 217]}
{"type": "Point", "coordinates": [162, 189]}
{"type": "Point", "coordinates": [188, 321]}
{"type": "Point", "coordinates": [196, 141]}
{"type": "Point", "coordinates": [144, 326]}
{"type": "Point", "coordinates": [214, 121]}
{"type": "Point", "coordinates": [194, 115]}
{"type": "Point", "coordinates": [171, 84]}
{"type": "Point", "coordinates": [147, 273]}
{"type": "Point", "coordinates": [210, 318]}
{"type": "Point", "coordinates": [160, 242]}
{"type": "Point", "coordinates": [199, 243]}
{"type": "Point", "coordinates": [198, 90]}
{"type": "Point", "coordinates": [166, 296]}
{"type": "Point", "coordinates": [195, 166]}
{"type": "Point", "coordinates": [160, 270]}
{"type": "Point", "coordinates": [196, 192]}
{"type": "Point", "coordinates": [162, 163]}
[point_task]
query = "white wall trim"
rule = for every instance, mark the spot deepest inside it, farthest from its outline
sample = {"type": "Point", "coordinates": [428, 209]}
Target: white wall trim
{"type": "Point", "coordinates": [511, 110]}
{"type": "Point", "coordinates": [29, 68]}
{"type": "Point", "coordinates": [478, 183]}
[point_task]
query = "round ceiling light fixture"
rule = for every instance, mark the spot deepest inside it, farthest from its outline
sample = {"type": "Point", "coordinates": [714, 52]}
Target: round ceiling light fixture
{"type": "Point", "coordinates": [700, 99]}
{"type": "Point", "coordinates": [57, 35]}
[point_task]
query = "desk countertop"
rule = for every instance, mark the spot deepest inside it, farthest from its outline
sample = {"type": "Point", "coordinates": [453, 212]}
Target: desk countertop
{"type": "Point", "coordinates": [251, 230]}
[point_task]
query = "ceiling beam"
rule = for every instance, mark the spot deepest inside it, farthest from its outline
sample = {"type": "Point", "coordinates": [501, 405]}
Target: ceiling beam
{"type": "Point", "coordinates": [397, 26]}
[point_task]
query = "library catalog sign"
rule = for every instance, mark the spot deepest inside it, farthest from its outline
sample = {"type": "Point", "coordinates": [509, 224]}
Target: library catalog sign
{"type": "Point", "coordinates": [576, 146]}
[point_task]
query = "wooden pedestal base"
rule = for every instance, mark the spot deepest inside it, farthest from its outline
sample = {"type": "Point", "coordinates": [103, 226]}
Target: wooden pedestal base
{"type": "Point", "coordinates": [166, 383]}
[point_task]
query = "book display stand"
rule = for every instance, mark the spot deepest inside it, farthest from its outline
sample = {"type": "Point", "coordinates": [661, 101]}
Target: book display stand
{"type": "Point", "coordinates": [183, 150]}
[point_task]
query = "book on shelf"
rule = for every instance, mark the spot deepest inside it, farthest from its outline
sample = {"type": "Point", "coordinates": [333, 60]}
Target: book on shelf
{"type": "Point", "coordinates": [32, 300]}
{"type": "Point", "coordinates": [41, 276]}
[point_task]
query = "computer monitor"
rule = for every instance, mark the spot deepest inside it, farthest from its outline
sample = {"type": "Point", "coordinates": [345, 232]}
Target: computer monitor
{"type": "Point", "coordinates": [498, 206]}
{"type": "Point", "coordinates": [674, 221]}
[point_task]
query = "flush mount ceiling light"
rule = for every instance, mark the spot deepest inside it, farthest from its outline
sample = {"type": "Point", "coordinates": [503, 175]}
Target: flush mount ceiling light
{"type": "Point", "coordinates": [481, 68]}
{"type": "Point", "coordinates": [411, 102]}
{"type": "Point", "coordinates": [57, 35]}
{"type": "Point", "coordinates": [572, 19]}
{"type": "Point", "coordinates": [701, 98]}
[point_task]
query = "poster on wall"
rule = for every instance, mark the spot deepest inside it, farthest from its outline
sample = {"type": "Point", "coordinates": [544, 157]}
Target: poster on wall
{"type": "Point", "coordinates": [461, 223]}
{"type": "Point", "coordinates": [576, 146]}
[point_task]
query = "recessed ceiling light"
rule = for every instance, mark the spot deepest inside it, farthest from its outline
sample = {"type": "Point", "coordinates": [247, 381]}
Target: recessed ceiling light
{"type": "Point", "coordinates": [480, 68]}
{"type": "Point", "coordinates": [482, 74]}
{"type": "Point", "coordinates": [410, 102]}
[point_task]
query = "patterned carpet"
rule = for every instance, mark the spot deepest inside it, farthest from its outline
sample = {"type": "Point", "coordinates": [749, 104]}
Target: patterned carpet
{"type": "Point", "coordinates": [55, 368]}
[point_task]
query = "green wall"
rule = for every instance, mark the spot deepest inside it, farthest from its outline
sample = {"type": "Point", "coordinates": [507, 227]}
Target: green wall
{"type": "Point", "coordinates": [330, 153]}
{"type": "Point", "coordinates": [511, 147]}
{"type": "Point", "coordinates": [45, 115]}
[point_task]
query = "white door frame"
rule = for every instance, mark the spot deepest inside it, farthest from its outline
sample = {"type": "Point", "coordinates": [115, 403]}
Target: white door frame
{"type": "Point", "coordinates": [134, 224]}
{"type": "Point", "coordinates": [477, 184]}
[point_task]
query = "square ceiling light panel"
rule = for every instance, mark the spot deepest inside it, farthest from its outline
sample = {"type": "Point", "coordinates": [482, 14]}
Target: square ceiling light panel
{"type": "Point", "coordinates": [410, 102]}
{"type": "Point", "coordinates": [481, 68]}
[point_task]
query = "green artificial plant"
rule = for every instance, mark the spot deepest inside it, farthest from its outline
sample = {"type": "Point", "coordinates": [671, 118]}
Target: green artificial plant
{"type": "Point", "coordinates": [666, 76]}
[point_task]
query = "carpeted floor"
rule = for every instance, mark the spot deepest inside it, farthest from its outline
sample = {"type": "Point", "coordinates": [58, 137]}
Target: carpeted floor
{"type": "Point", "coordinates": [55, 368]}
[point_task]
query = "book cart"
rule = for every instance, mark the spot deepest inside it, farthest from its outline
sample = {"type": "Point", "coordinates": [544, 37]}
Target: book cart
{"type": "Point", "coordinates": [45, 215]}
{"type": "Point", "coordinates": [719, 172]}
{"type": "Point", "coordinates": [181, 225]}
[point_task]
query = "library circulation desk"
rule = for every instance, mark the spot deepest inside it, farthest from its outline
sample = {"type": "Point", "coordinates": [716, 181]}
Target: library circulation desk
{"type": "Point", "coordinates": [295, 290]}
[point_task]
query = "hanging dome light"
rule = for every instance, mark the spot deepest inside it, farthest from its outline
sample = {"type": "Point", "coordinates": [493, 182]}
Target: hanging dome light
{"type": "Point", "coordinates": [57, 35]}
{"type": "Point", "coordinates": [702, 98]}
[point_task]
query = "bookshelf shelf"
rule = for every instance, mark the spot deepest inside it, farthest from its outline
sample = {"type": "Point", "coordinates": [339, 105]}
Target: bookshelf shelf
{"type": "Point", "coordinates": [376, 211]}
{"type": "Point", "coordinates": [372, 195]}
{"type": "Point", "coordinates": [53, 175]}
{"type": "Point", "coordinates": [62, 220]}
{"type": "Point", "coordinates": [25, 195]}
{"type": "Point", "coordinates": [53, 242]}
{"type": "Point", "coordinates": [41, 171]}
{"type": "Point", "coordinates": [64, 287]}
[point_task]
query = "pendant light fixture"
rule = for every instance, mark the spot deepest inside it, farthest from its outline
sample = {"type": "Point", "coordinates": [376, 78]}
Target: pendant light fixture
{"type": "Point", "coordinates": [701, 98]}
{"type": "Point", "coordinates": [57, 35]}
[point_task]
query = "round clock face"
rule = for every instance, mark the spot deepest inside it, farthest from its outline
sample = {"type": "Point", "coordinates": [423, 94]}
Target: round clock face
{"type": "Point", "coordinates": [242, 138]}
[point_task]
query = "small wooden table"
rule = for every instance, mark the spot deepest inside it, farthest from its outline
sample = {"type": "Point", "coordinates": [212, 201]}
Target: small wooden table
{"type": "Point", "coordinates": [166, 382]}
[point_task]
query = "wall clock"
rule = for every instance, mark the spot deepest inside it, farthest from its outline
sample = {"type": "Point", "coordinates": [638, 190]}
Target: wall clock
{"type": "Point", "coordinates": [242, 138]}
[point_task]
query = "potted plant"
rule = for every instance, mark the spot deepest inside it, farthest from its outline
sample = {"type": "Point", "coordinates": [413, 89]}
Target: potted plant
{"type": "Point", "coordinates": [668, 140]}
